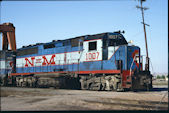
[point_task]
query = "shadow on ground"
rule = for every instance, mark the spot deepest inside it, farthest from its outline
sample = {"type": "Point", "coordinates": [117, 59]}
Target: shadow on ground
{"type": "Point", "coordinates": [153, 90]}
{"type": "Point", "coordinates": [159, 89]}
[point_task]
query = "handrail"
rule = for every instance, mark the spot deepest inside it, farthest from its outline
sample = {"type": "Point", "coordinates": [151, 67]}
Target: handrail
{"type": "Point", "coordinates": [132, 64]}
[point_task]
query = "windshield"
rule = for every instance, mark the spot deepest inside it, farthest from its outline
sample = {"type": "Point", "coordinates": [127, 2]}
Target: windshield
{"type": "Point", "coordinates": [116, 40]}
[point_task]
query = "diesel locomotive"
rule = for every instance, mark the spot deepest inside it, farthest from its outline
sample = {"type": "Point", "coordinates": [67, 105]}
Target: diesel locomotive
{"type": "Point", "coordinates": [102, 61]}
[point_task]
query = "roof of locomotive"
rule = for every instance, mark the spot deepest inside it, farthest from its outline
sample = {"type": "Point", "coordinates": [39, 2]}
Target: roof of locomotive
{"type": "Point", "coordinates": [84, 38]}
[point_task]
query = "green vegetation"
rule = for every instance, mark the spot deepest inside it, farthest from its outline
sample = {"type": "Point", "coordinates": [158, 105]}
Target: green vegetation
{"type": "Point", "coordinates": [161, 77]}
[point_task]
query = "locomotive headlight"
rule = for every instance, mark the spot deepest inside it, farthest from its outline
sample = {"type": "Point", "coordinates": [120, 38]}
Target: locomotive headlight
{"type": "Point", "coordinates": [131, 41]}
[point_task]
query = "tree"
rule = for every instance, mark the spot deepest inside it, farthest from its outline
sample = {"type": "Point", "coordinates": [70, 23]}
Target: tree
{"type": "Point", "coordinates": [163, 76]}
{"type": "Point", "coordinates": [158, 77]}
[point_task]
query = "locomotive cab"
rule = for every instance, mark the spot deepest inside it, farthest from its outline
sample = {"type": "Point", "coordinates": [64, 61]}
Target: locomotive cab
{"type": "Point", "coordinates": [114, 53]}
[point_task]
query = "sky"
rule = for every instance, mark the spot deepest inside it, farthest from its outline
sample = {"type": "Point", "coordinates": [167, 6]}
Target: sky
{"type": "Point", "coordinates": [44, 21]}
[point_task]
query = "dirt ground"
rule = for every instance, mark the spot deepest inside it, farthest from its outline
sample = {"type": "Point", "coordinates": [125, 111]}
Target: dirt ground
{"type": "Point", "coordinates": [48, 99]}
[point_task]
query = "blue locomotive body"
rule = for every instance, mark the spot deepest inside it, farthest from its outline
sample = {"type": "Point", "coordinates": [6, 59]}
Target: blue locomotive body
{"type": "Point", "coordinates": [105, 57]}
{"type": "Point", "coordinates": [98, 62]}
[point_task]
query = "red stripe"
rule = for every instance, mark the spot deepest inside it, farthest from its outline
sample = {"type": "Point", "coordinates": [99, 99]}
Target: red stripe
{"type": "Point", "coordinates": [78, 72]}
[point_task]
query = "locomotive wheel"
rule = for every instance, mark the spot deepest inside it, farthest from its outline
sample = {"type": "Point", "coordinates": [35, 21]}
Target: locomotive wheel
{"type": "Point", "coordinates": [103, 86]}
{"type": "Point", "coordinates": [5, 81]}
{"type": "Point", "coordinates": [113, 82]}
{"type": "Point", "coordinates": [83, 85]}
{"type": "Point", "coordinates": [95, 86]}
{"type": "Point", "coordinates": [119, 88]}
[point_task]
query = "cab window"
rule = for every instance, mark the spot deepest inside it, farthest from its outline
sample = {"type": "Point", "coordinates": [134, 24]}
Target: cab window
{"type": "Point", "coordinates": [92, 46]}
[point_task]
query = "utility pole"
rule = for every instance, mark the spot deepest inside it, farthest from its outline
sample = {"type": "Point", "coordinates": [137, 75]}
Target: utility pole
{"type": "Point", "coordinates": [144, 26]}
